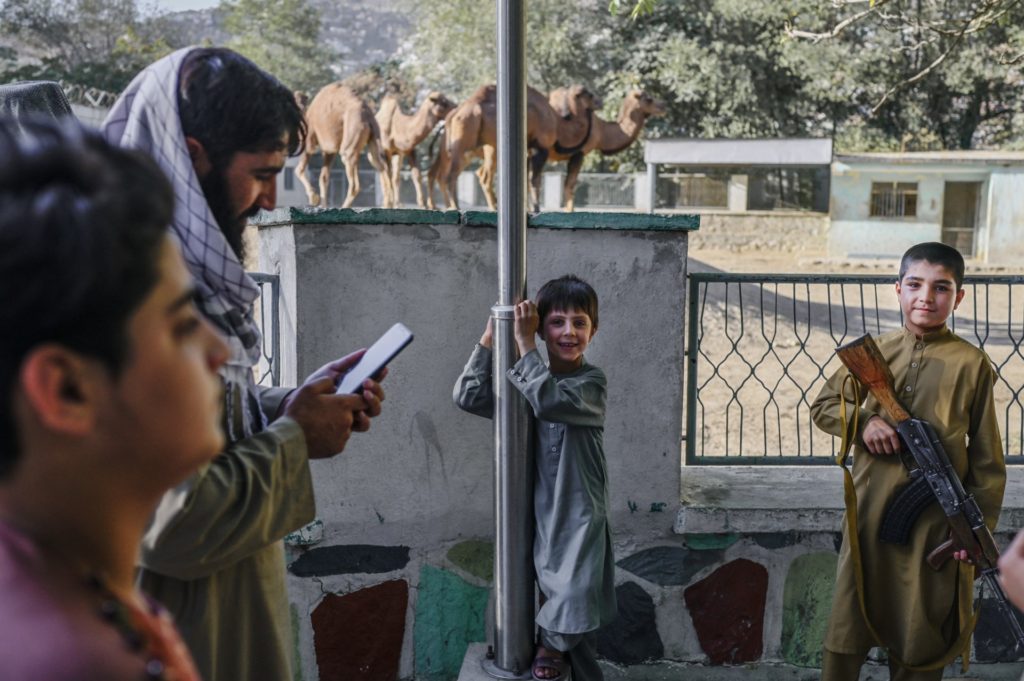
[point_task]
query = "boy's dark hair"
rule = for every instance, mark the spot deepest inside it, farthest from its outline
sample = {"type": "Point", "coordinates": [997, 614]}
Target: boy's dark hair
{"type": "Point", "coordinates": [567, 293]}
{"type": "Point", "coordinates": [229, 104]}
{"type": "Point", "coordinates": [81, 226]}
{"type": "Point", "coordinates": [937, 254]}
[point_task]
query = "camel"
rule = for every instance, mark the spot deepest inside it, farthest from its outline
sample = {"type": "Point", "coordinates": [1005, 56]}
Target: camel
{"type": "Point", "coordinates": [400, 133]}
{"type": "Point", "coordinates": [339, 122]}
{"type": "Point", "coordinates": [609, 138]}
{"type": "Point", "coordinates": [472, 128]}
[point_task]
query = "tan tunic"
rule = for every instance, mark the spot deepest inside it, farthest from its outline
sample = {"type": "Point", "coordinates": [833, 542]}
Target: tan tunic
{"type": "Point", "coordinates": [917, 611]}
{"type": "Point", "coordinates": [213, 553]}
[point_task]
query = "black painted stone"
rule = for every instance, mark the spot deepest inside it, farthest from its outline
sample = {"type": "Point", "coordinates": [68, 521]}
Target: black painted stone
{"type": "Point", "coordinates": [632, 638]}
{"type": "Point", "coordinates": [669, 565]}
{"type": "Point", "coordinates": [992, 639]}
{"type": "Point", "coordinates": [350, 559]}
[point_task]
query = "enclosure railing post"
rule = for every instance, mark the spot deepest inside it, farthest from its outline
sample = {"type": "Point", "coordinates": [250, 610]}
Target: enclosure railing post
{"type": "Point", "coordinates": [513, 467]}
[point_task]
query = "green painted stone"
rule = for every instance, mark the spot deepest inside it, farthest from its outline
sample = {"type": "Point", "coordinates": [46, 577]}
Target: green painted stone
{"type": "Point", "coordinates": [449, 616]}
{"type": "Point", "coordinates": [356, 216]}
{"type": "Point", "coordinates": [601, 220]}
{"type": "Point", "coordinates": [475, 557]}
{"type": "Point", "coordinates": [297, 668]}
{"type": "Point", "coordinates": [708, 542]}
{"type": "Point", "coordinates": [806, 602]}
{"type": "Point", "coordinates": [476, 218]}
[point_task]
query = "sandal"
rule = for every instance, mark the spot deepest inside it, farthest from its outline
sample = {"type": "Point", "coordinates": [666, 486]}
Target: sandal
{"type": "Point", "coordinates": [557, 664]}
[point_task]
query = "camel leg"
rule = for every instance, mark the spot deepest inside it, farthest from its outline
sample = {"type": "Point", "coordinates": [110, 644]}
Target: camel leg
{"type": "Point", "coordinates": [325, 179]}
{"type": "Point", "coordinates": [300, 172]}
{"type": "Point", "coordinates": [485, 174]}
{"type": "Point", "coordinates": [573, 172]}
{"type": "Point", "coordinates": [451, 194]}
{"type": "Point", "coordinates": [417, 178]}
{"type": "Point", "coordinates": [379, 164]}
{"type": "Point", "coordinates": [396, 174]}
{"type": "Point", "coordinates": [537, 161]}
{"type": "Point", "coordinates": [351, 162]}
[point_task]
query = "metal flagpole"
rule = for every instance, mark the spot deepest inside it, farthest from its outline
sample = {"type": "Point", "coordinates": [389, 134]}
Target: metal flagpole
{"type": "Point", "coordinates": [513, 465]}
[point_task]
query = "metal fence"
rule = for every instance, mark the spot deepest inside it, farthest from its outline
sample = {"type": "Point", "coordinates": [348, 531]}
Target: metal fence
{"type": "Point", "coordinates": [267, 313]}
{"type": "Point", "coordinates": [760, 347]}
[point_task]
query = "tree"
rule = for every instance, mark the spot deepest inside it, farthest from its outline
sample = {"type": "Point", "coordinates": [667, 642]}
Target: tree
{"type": "Point", "coordinates": [95, 43]}
{"type": "Point", "coordinates": [948, 68]}
{"type": "Point", "coordinates": [281, 36]}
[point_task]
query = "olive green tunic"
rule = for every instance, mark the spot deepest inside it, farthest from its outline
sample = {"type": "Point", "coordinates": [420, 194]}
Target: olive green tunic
{"type": "Point", "coordinates": [572, 547]}
{"type": "Point", "coordinates": [917, 610]}
{"type": "Point", "coordinates": [213, 553]}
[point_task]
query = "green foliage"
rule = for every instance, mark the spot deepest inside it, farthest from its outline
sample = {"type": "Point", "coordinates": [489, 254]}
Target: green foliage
{"type": "Point", "coordinates": [282, 37]}
{"type": "Point", "coordinates": [729, 68]}
{"type": "Point", "coordinates": [95, 43]}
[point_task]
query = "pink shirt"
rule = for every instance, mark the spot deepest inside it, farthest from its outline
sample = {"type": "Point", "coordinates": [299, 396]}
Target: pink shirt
{"type": "Point", "coordinates": [56, 624]}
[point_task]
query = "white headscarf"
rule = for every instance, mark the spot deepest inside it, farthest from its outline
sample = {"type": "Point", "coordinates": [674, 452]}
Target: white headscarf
{"type": "Point", "coordinates": [146, 117]}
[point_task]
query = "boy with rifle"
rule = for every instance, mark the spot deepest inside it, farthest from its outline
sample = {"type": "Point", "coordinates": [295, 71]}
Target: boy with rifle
{"type": "Point", "coordinates": [920, 614]}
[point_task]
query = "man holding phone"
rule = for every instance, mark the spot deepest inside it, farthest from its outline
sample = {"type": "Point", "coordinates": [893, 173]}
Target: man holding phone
{"type": "Point", "coordinates": [221, 129]}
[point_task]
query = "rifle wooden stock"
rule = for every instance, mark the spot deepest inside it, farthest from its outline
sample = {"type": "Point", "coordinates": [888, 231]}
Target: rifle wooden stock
{"type": "Point", "coordinates": [864, 360]}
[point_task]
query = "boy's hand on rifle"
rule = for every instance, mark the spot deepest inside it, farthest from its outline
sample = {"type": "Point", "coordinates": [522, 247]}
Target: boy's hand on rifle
{"type": "Point", "coordinates": [881, 438]}
{"type": "Point", "coordinates": [527, 323]}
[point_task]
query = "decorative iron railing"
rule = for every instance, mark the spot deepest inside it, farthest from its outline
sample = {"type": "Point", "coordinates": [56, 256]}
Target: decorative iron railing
{"type": "Point", "coordinates": [268, 370]}
{"type": "Point", "coordinates": [760, 347]}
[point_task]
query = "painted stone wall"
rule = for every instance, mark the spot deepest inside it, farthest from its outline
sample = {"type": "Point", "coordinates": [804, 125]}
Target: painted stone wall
{"type": "Point", "coordinates": [407, 504]}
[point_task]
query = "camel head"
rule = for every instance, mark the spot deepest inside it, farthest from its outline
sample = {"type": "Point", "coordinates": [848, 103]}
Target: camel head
{"type": "Point", "coordinates": [439, 105]}
{"type": "Point", "coordinates": [575, 100]}
{"type": "Point", "coordinates": [640, 101]}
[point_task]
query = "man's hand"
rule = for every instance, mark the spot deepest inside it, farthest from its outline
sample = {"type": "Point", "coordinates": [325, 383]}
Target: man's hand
{"type": "Point", "coordinates": [327, 419]}
{"type": "Point", "coordinates": [526, 325]}
{"type": "Point", "coordinates": [1011, 570]}
{"type": "Point", "coordinates": [881, 438]}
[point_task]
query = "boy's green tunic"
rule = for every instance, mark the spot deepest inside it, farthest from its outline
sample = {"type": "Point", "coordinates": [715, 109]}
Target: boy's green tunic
{"type": "Point", "coordinates": [917, 610]}
{"type": "Point", "coordinates": [572, 549]}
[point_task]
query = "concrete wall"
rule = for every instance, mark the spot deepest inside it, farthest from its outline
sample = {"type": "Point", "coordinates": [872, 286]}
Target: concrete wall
{"type": "Point", "coordinates": [797, 233]}
{"type": "Point", "coordinates": [417, 489]}
{"type": "Point", "coordinates": [1005, 210]}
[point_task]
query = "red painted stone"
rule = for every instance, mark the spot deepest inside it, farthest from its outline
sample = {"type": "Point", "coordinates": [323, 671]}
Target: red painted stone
{"type": "Point", "coordinates": [359, 635]}
{"type": "Point", "coordinates": [727, 608]}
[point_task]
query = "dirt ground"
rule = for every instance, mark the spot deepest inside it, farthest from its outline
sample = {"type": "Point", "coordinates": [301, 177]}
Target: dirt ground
{"type": "Point", "coordinates": [766, 349]}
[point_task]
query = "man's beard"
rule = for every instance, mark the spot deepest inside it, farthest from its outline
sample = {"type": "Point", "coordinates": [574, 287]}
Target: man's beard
{"type": "Point", "coordinates": [215, 188]}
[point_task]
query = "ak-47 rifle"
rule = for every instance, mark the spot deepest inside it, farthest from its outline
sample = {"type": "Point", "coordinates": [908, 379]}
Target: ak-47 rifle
{"type": "Point", "coordinates": [932, 479]}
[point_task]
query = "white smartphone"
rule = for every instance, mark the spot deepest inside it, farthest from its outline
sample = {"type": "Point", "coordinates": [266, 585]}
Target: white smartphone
{"type": "Point", "coordinates": [376, 358]}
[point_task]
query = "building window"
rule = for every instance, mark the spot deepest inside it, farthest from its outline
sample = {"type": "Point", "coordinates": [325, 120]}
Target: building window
{"type": "Point", "coordinates": [289, 179]}
{"type": "Point", "coordinates": [893, 199]}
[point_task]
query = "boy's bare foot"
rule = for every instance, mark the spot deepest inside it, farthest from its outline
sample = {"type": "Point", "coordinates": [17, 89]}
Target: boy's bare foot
{"type": "Point", "coordinates": [548, 665]}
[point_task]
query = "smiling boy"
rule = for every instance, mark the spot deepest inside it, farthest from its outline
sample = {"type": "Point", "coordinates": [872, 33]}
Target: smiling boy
{"type": "Point", "coordinates": [572, 550]}
{"type": "Point", "coordinates": [921, 614]}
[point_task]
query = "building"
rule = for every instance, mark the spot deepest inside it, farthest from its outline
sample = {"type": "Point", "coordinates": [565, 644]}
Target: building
{"type": "Point", "coordinates": [883, 203]}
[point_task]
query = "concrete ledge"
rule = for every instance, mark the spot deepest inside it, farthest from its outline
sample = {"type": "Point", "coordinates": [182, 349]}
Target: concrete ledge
{"type": "Point", "coordinates": [761, 671]}
{"type": "Point", "coordinates": [755, 499]}
{"type": "Point", "coordinates": [416, 216]}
